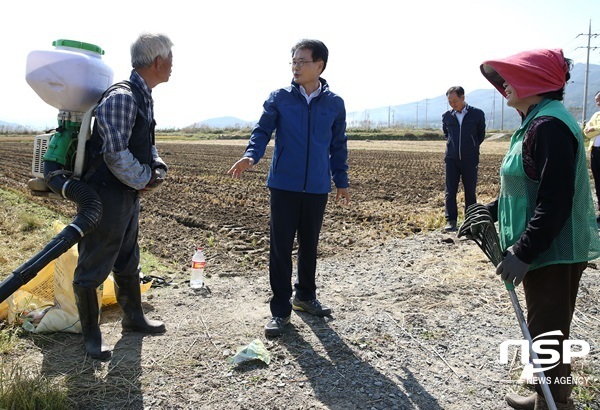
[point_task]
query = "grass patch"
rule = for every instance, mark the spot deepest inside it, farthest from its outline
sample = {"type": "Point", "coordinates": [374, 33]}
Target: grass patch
{"type": "Point", "coordinates": [25, 227]}
{"type": "Point", "coordinates": [29, 222]}
{"type": "Point", "coordinates": [392, 134]}
{"type": "Point", "coordinates": [21, 390]}
{"type": "Point", "coordinates": [587, 388]}
{"type": "Point", "coordinates": [151, 265]}
{"type": "Point", "coordinates": [232, 133]}
{"type": "Point", "coordinates": [587, 396]}
{"type": "Point", "coordinates": [29, 227]}
{"type": "Point", "coordinates": [9, 338]}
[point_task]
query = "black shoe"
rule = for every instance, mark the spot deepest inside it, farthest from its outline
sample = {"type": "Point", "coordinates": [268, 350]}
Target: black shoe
{"type": "Point", "coordinates": [314, 307]}
{"type": "Point", "coordinates": [451, 226]}
{"type": "Point", "coordinates": [521, 402]}
{"type": "Point", "coordinates": [274, 327]}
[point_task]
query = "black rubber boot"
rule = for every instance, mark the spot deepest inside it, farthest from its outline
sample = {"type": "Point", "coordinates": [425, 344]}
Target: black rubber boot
{"type": "Point", "coordinates": [87, 305]}
{"type": "Point", "coordinates": [129, 297]}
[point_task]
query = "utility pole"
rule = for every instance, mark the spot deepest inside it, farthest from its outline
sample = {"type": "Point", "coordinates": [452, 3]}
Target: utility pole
{"type": "Point", "coordinates": [426, 101]}
{"type": "Point", "coordinates": [417, 126]}
{"type": "Point", "coordinates": [587, 70]}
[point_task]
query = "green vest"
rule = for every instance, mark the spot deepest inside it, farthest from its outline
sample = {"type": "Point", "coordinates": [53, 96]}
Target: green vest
{"type": "Point", "coordinates": [578, 241]}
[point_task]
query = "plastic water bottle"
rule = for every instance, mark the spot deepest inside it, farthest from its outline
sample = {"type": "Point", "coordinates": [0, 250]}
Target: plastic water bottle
{"type": "Point", "coordinates": [198, 263]}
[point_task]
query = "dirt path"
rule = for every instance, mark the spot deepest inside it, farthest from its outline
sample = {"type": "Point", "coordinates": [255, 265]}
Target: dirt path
{"type": "Point", "coordinates": [417, 324]}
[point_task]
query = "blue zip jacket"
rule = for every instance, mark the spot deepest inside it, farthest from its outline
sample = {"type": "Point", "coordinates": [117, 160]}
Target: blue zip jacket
{"type": "Point", "coordinates": [310, 140]}
{"type": "Point", "coordinates": [463, 141]}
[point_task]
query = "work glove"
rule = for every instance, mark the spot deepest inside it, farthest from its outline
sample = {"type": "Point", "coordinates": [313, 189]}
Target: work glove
{"type": "Point", "coordinates": [512, 269]}
{"type": "Point", "coordinates": [156, 180]}
{"type": "Point", "coordinates": [162, 172]}
{"type": "Point", "coordinates": [158, 163]}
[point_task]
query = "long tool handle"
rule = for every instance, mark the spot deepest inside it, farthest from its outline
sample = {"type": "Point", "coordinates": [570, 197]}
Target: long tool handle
{"type": "Point", "coordinates": [523, 324]}
{"type": "Point", "coordinates": [479, 226]}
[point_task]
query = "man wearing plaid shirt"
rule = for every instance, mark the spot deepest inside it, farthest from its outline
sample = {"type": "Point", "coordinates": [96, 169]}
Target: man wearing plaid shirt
{"type": "Point", "coordinates": [124, 162]}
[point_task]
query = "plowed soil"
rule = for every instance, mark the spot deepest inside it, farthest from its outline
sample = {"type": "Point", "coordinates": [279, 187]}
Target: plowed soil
{"type": "Point", "coordinates": [397, 190]}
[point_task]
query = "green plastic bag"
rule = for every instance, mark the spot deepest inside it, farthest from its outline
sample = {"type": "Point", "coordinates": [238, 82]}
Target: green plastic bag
{"type": "Point", "coordinates": [256, 350]}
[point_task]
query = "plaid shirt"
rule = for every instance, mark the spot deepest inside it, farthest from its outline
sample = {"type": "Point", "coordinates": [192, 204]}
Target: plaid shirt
{"type": "Point", "coordinates": [115, 116]}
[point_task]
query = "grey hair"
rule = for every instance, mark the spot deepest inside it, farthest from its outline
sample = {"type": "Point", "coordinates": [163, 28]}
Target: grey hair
{"type": "Point", "coordinates": [147, 47]}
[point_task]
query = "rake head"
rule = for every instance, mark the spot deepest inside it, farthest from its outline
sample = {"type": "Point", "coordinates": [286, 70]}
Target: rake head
{"type": "Point", "coordinates": [479, 227]}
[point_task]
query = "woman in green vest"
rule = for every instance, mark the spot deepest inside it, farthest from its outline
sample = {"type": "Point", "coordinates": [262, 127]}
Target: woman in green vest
{"type": "Point", "coordinates": [545, 211]}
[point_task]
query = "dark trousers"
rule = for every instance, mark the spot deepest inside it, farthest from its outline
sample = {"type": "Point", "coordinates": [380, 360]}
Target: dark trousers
{"type": "Point", "coordinates": [595, 165]}
{"type": "Point", "coordinates": [113, 245]}
{"type": "Point", "coordinates": [291, 213]}
{"type": "Point", "coordinates": [550, 294]}
{"type": "Point", "coordinates": [455, 169]}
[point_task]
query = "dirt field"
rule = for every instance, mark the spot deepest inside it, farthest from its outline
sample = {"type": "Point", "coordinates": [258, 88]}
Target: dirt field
{"type": "Point", "coordinates": [397, 189]}
{"type": "Point", "coordinates": [418, 316]}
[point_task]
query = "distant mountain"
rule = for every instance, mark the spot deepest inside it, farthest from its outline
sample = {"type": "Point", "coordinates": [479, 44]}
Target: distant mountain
{"type": "Point", "coordinates": [223, 122]}
{"type": "Point", "coordinates": [427, 113]}
{"type": "Point", "coordinates": [11, 127]}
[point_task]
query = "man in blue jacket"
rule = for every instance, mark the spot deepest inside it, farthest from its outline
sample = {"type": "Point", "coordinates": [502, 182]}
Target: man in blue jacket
{"type": "Point", "coordinates": [310, 149]}
{"type": "Point", "coordinates": [464, 130]}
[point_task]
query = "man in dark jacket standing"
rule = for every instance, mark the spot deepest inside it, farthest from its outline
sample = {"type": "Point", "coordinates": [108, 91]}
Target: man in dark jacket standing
{"type": "Point", "coordinates": [464, 130]}
{"type": "Point", "coordinates": [310, 151]}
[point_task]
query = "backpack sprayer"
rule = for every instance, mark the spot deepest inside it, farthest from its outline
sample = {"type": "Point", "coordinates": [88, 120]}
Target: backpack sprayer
{"type": "Point", "coordinates": [72, 77]}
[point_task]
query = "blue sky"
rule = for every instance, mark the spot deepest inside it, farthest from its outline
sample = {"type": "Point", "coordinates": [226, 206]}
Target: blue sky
{"type": "Point", "coordinates": [230, 54]}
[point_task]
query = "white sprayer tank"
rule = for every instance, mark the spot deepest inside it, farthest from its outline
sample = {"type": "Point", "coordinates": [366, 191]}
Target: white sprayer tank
{"type": "Point", "coordinates": [72, 77]}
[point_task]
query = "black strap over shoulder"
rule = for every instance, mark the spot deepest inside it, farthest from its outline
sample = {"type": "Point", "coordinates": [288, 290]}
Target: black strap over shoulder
{"type": "Point", "coordinates": [137, 93]}
{"type": "Point", "coordinates": [94, 159]}
{"type": "Point", "coordinates": [121, 84]}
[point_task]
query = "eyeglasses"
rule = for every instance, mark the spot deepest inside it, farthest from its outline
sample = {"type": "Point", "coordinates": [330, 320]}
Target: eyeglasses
{"type": "Point", "coordinates": [300, 63]}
